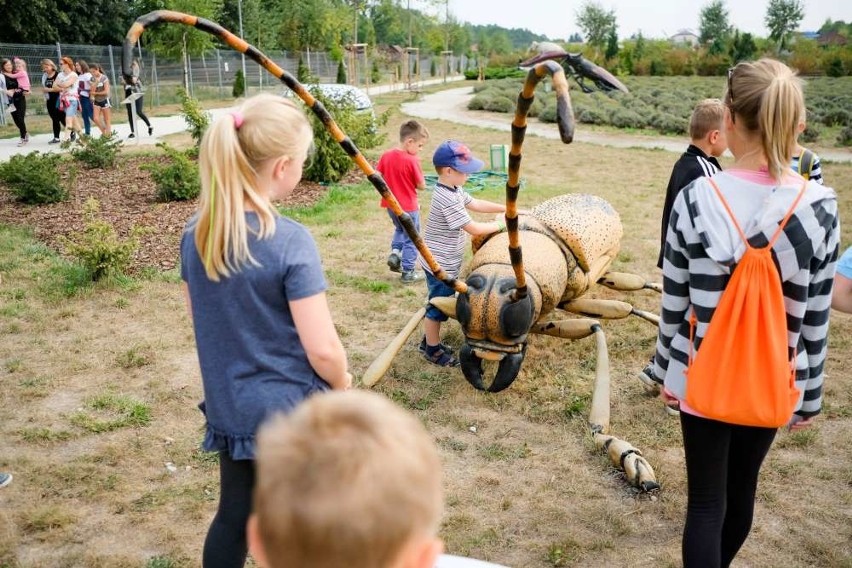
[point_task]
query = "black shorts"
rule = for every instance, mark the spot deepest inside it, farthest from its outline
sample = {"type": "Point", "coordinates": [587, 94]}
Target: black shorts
{"type": "Point", "coordinates": [102, 104]}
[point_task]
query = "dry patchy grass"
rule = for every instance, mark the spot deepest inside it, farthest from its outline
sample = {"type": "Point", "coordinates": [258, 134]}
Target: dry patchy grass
{"type": "Point", "coordinates": [99, 394]}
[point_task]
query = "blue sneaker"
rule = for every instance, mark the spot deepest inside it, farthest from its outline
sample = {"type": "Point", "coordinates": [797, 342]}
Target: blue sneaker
{"type": "Point", "coordinates": [5, 479]}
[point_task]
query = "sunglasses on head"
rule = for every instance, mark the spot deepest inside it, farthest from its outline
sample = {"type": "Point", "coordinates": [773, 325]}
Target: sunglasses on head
{"type": "Point", "coordinates": [730, 83]}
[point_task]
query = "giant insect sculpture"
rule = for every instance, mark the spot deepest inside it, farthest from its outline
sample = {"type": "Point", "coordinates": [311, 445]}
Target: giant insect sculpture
{"type": "Point", "coordinates": [576, 66]}
{"type": "Point", "coordinates": [498, 307]}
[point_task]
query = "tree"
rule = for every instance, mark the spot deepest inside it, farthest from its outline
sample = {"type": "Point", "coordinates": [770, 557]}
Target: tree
{"type": "Point", "coordinates": [714, 25]}
{"type": "Point", "coordinates": [611, 45]}
{"type": "Point", "coordinates": [782, 18]}
{"type": "Point", "coordinates": [596, 23]}
{"type": "Point", "coordinates": [743, 47]}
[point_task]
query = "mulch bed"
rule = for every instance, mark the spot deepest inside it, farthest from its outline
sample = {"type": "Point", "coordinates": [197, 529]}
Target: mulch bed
{"type": "Point", "coordinates": [127, 197]}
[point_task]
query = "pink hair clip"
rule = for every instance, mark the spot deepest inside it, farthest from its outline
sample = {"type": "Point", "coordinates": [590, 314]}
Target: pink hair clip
{"type": "Point", "coordinates": [238, 119]}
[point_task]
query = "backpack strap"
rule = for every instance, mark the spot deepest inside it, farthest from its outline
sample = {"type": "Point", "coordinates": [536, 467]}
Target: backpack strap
{"type": "Point", "coordinates": [806, 163]}
{"type": "Point", "coordinates": [780, 226]}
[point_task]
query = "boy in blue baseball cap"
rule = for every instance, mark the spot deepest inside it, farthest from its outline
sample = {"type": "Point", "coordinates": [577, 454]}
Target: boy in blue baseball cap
{"type": "Point", "coordinates": [445, 235]}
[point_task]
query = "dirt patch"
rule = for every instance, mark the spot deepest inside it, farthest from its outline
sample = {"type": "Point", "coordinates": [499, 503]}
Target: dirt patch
{"type": "Point", "coordinates": [127, 198]}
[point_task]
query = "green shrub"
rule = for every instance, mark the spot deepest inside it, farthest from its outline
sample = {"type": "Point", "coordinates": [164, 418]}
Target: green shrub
{"type": "Point", "coordinates": [176, 180]}
{"type": "Point", "coordinates": [34, 178]}
{"type": "Point", "coordinates": [810, 134]}
{"type": "Point", "coordinates": [845, 136]}
{"type": "Point", "coordinates": [197, 119]}
{"type": "Point", "coordinates": [98, 247]}
{"type": "Point", "coordinates": [341, 72]}
{"type": "Point", "coordinates": [329, 162]}
{"type": "Point", "coordinates": [239, 84]}
{"type": "Point", "coordinates": [501, 104]}
{"type": "Point", "coordinates": [98, 152]}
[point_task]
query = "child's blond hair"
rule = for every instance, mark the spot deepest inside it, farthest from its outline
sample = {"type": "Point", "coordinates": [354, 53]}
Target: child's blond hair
{"type": "Point", "coordinates": [706, 117]}
{"type": "Point", "coordinates": [232, 150]}
{"type": "Point", "coordinates": [412, 129]}
{"type": "Point", "coordinates": [766, 97]}
{"type": "Point", "coordinates": [347, 480]}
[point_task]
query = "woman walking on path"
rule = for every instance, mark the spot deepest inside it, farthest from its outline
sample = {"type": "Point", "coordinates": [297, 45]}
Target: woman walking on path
{"type": "Point", "coordinates": [100, 100]}
{"type": "Point", "coordinates": [85, 90]}
{"type": "Point", "coordinates": [135, 86]}
{"type": "Point", "coordinates": [51, 98]}
{"type": "Point", "coordinates": [17, 89]}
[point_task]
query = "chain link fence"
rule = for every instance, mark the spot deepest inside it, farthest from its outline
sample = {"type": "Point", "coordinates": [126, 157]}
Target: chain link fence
{"type": "Point", "coordinates": [212, 74]}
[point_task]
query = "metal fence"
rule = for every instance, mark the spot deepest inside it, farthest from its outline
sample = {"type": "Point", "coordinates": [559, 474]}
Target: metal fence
{"type": "Point", "coordinates": [212, 74]}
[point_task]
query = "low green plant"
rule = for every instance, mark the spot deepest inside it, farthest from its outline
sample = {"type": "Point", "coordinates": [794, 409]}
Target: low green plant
{"type": "Point", "coordinates": [845, 136]}
{"type": "Point", "coordinates": [98, 247]}
{"type": "Point", "coordinates": [177, 179]}
{"type": "Point", "coordinates": [34, 178]}
{"type": "Point", "coordinates": [329, 162]}
{"type": "Point", "coordinates": [239, 88]}
{"type": "Point", "coordinates": [197, 119]}
{"type": "Point", "coordinates": [98, 152]}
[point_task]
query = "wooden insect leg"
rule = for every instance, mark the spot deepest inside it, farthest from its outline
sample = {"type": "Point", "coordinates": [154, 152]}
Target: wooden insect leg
{"type": "Point", "coordinates": [622, 454]}
{"type": "Point", "coordinates": [607, 309]}
{"type": "Point", "coordinates": [379, 367]}
{"type": "Point", "coordinates": [627, 282]}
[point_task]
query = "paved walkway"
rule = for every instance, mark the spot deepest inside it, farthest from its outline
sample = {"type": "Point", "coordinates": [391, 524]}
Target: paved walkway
{"type": "Point", "coordinates": [163, 126]}
{"type": "Point", "coordinates": [451, 105]}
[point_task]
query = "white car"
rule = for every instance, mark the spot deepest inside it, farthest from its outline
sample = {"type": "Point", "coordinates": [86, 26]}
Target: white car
{"type": "Point", "coordinates": [342, 93]}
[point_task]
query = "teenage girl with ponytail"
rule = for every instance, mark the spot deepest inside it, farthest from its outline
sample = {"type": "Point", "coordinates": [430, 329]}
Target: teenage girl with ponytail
{"type": "Point", "coordinates": [256, 291]}
{"type": "Point", "coordinates": [764, 106]}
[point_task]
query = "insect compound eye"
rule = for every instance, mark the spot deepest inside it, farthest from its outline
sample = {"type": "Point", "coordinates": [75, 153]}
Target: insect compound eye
{"type": "Point", "coordinates": [516, 317]}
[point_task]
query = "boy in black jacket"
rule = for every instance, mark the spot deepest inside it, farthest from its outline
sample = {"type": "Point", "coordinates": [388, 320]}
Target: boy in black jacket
{"type": "Point", "coordinates": [707, 143]}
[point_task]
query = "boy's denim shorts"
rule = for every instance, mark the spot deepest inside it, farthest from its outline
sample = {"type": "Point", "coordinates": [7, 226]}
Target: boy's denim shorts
{"type": "Point", "coordinates": [437, 289]}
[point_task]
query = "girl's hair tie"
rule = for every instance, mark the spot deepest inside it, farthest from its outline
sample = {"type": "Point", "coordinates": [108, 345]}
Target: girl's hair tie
{"type": "Point", "coordinates": [238, 119]}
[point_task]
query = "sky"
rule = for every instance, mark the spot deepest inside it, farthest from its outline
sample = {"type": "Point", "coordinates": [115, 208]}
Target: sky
{"type": "Point", "coordinates": [655, 18]}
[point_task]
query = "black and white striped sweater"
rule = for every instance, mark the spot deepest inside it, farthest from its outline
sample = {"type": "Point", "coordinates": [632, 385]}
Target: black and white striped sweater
{"type": "Point", "coordinates": [703, 247]}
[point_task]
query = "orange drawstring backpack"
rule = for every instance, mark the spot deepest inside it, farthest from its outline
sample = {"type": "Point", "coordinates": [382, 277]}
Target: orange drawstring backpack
{"type": "Point", "coordinates": [742, 373]}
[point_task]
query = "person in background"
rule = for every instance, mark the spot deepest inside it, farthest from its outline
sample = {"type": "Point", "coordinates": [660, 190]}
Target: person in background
{"type": "Point", "coordinates": [69, 98]}
{"type": "Point", "coordinates": [85, 90]}
{"type": "Point", "coordinates": [841, 297]}
{"type": "Point", "coordinates": [51, 98]}
{"type": "Point", "coordinates": [135, 86]}
{"type": "Point", "coordinates": [255, 288]}
{"type": "Point", "coordinates": [100, 100]}
{"type": "Point", "coordinates": [400, 167]}
{"type": "Point", "coordinates": [707, 143]}
{"type": "Point", "coordinates": [17, 89]}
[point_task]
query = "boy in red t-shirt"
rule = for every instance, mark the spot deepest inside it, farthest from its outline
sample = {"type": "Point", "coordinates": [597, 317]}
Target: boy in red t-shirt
{"type": "Point", "coordinates": [400, 167]}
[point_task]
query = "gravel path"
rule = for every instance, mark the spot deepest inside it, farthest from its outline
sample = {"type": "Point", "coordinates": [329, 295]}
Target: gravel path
{"type": "Point", "coordinates": [451, 105]}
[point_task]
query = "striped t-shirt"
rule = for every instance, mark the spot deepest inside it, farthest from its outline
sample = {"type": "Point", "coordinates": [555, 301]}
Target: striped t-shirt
{"type": "Point", "coordinates": [444, 234]}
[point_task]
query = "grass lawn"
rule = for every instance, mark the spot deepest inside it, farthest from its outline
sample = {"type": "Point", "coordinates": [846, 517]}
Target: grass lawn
{"type": "Point", "coordinates": [100, 427]}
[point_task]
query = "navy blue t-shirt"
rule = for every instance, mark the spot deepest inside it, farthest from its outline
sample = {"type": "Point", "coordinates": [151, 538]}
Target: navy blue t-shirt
{"type": "Point", "coordinates": [252, 361]}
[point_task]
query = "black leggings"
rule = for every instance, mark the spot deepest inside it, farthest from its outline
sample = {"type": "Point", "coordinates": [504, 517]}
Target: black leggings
{"type": "Point", "coordinates": [56, 116]}
{"type": "Point", "coordinates": [225, 545]}
{"type": "Point", "coordinates": [20, 102]}
{"type": "Point", "coordinates": [722, 465]}
{"type": "Point", "coordinates": [139, 113]}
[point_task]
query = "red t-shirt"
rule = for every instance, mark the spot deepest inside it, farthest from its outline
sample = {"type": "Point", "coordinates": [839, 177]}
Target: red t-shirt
{"type": "Point", "coordinates": [402, 172]}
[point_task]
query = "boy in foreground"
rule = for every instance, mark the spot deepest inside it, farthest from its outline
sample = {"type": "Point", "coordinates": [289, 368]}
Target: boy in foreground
{"type": "Point", "coordinates": [347, 480]}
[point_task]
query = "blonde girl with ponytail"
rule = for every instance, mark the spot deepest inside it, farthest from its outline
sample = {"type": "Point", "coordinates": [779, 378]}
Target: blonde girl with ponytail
{"type": "Point", "coordinates": [763, 108]}
{"type": "Point", "coordinates": [256, 293]}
